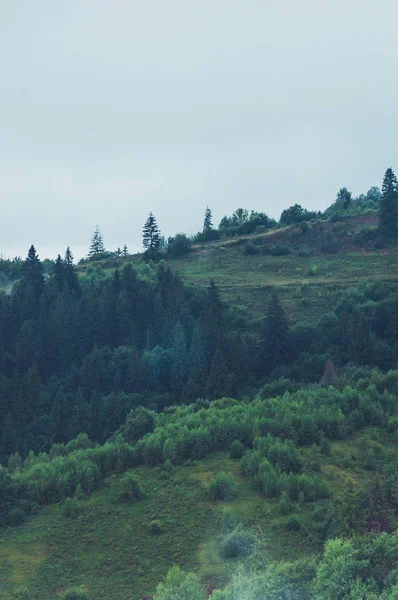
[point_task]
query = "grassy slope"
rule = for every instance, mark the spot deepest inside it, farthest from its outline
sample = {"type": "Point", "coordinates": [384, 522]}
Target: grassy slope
{"type": "Point", "coordinates": [246, 280]}
{"type": "Point", "coordinates": [108, 549]}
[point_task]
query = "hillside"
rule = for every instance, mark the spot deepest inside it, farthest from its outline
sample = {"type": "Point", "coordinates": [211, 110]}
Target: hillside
{"type": "Point", "coordinates": [237, 404]}
{"type": "Point", "coordinates": [117, 550]}
{"type": "Point", "coordinates": [309, 284]}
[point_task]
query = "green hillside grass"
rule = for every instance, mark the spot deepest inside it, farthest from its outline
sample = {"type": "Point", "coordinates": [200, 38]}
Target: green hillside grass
{"type": "Point", "coordinates": [110, 551]}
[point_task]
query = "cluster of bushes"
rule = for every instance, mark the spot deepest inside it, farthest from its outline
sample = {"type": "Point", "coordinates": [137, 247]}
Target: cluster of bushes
{"type": "Point", "coordinates": [277, 249]}
{"type": "Point", "coordinates": [274, 479]}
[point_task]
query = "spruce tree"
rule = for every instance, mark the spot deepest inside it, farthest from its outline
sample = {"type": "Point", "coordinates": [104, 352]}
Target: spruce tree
{"type": "Point", "coordinates": [208, 223]}
{"type": "Point", "coordinates": [34, 272]}
{"type": "Point", "coordinates": [274, 343]}
{"type": "Point", "coordinates": [151, 237]}
{"type": "Point", "coordinates": [97, 246]}
{"type": "Point", "coordinates": [218, 381]}
{"type": "Point", "coordinates": [71, 277]}
{"type": "Point", "coordinates": [59, 272]}
{"type": "Point", "coordinates": [389, 204]}
{"type": "Point", "coordinates": [125, 251]}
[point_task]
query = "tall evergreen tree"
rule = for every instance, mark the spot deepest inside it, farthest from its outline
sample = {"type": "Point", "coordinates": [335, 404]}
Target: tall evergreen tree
{"type": "Point", "coordinates": [389, 204]}
{"type": "Point", "coordinates": [151, 237]}
{"type": "Point", "coordinates": [71, 277]}
{"type": "Point", "coordinates": [208, 222]}
{"type": "Point", "coordinates": [59, 272]}
{"type": "Point", "coordinates": [97, 246]}
{"type": "Point", "coordinates": [218, 381]}
{"type": "Point", "coordinates": [33, 272]}
{"type": "Point", "coordinates": [274, 343]}
{"type": "Point", "coordinates": [125, 251]}
{"type": "Point", "coordinates": [180, 359]}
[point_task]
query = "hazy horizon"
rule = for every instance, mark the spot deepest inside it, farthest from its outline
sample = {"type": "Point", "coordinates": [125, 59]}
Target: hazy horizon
{"type": "Point", "coordinates": [111, 110]}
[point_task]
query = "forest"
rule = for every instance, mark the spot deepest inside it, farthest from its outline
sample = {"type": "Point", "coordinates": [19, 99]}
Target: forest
{"type": "Point", "coordinates": [121, 372]}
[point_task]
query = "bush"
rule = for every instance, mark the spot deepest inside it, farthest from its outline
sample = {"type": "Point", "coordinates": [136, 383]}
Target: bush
{"type": "Point", "coordinates": [236, 449]}
{"type": "Point", "coordinates": [179, 245]}
{"type": "Point", "coordinates": [238, 543]}
{"type": "Point", "coordinates": [280, 249]}
{"type": "Point", "coordinates": [285, 505]}
{"type": "Point", "coordinates": [250, 248]}
{"type": "Point", "coordinates": [222, 487]}
{"type": "Point", "coordinates": [130, 488]}
{"type": "Point", "coordinates": [75, 594]}
{"type": "Point", "coordinates": [293, 524]}
{"type": "Point", "coordinates": [228, 522]}
{"type": "Point", "coordinates": [156, 527]}
{"type": "Point", "coordinates": [71, 508]}
{"type": "Point", "coordinates": [303, 250]}
{"type": "Point", "coordinates": [16, 516]}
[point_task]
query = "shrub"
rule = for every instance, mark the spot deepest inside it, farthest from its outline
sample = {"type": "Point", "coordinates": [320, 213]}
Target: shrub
{"type": "Point", "coordinates": [236, 449]}
{"type": "Point", "coordinates": [280, 249]}
{"type": "Point", "coordinates": [16, 516]}
{"type": "Point", "coordinates": [130, 488]}
{"type": "Point", "coordinates": [250, 248]}
{"type": "Point", "coordinates": [303, 250]}
{"type": "Point", "coordinates": [285, 505]}
{"type": "Point", "coordinates": [179, 245]}
{"type": "Point", "coordinates": [75, 594]}
{"type": "Point", "coordinates": [221, 487]}
{"type": "Point", "coordinates": [71, 508]}
{"type": "Point", "coordinates": [228, 522]}
{"type": "Point", "coordinates": [238, 543]}
{"type": "Point", "coordinates": [293, 524]}
{"type": "Point", "coordinates": [156, 527]}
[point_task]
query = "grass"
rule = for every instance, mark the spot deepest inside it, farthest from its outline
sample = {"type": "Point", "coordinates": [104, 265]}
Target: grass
{"type": "Point", "coordinates": [110, 550]}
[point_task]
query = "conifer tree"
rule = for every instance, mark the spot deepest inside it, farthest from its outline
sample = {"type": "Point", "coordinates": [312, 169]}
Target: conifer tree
{"type": "Point", "coordinates": [218, 381]}
{"type": "Point", "coordinates": [180, 358]}
{"type": "Point", "coordinates": [125, 251]}
{"type": "Point", "coordinates": [8, 437]}
{"type": "Point", "coordinates": [389, 204]}
{"type": "Point", "coordinates": [274, 343]}
{"type": "Point", "coordinates": [151, 237]}
{"type": "Point", "coordinates": [59, 272]}
{"type": "Point", "coordinates": [34, 272]}
{"type": "Point", "coordinates": [97, 246]}
{"type": "Point", "coordinates": [208, 222]}
{"type": "Point", "coordinates": [71, 277]}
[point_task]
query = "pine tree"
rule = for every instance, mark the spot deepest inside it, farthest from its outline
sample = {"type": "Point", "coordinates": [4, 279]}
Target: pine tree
{"type": "Point", "coordinates": [151, 237]}
{"type": "Point", "coordinates": [389, 204]}
{"type": "Point", "coordinates": [59, 272]}
{"type": "Point", "coordinates": [208, 223]}
{"type": "Point", "coordinates": [125, 251]}
{"type": "Point", "coordinates": [218, 381]}
{"type": "Point", "coordinates": [97, 246]}
{"type": "Point", "coordinates": [34, 272]}
{"type": "Point", "coordinates": [71, 277]}
{"type": "Point", "coordinates": [180, 359]}
{"type": "Point", "coordinates": [274, 343]}
{"type": "Point", "coordinates": [8, 443]}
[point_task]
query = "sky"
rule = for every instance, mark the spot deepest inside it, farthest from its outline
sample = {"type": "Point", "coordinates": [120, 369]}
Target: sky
{"type": "Point", "coordinates": [111, 109]}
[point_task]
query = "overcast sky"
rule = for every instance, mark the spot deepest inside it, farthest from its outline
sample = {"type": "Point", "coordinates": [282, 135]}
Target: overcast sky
{"type": "Point", "coordinates": [110, 109]}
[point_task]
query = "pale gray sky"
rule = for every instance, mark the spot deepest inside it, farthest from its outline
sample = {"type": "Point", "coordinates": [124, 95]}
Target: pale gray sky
{"type": "Point", "coordinates": [110, 109]}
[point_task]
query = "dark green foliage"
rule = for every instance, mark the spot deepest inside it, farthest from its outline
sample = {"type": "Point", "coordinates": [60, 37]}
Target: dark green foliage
{"type": "Point", "coordinates": [251, 248]}
{"type": "Point", "coordinates": [178, 245]}
{"type": "Point", "coordinates": [151, 237]}
{"type": "Point", "coordinates": [389, 205]}
{"type": "Point", "coordinates": [244, 223]}
{"type": "Point", "coordinates": [130, 488]}
{"type": "Point", "coordinates": [221, 487]}
{"type": "Point", "coordinates": [208, 222]}
{"type": "Point", "coordinates": [97, 247]}
{"type": "Point", "coordinates": [236, 449]}
{"type": "Point", "coordinates": [274, 348]}
{"type": "Point", "coordinates": [296, 214]}
{"type": "Point", "coordinates": [71, 508]}
{"type": "Point", "coordinates": [238, 543]}
{"type": "Point", "coordinates": [156, 527]}
{"type": "Point", "coordinates": [139, 421]}
{"type": "Point", "coordinates": [76, 593]}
